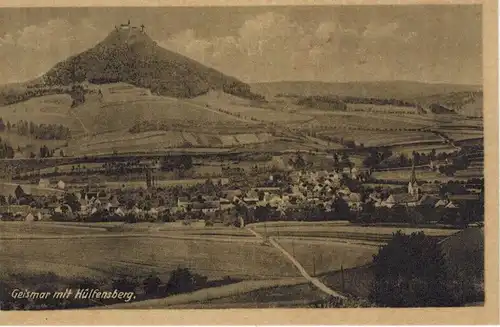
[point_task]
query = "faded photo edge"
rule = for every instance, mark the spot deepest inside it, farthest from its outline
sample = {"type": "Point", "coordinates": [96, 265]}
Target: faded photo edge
{"type": "Point", "coordinates": [488, 314]}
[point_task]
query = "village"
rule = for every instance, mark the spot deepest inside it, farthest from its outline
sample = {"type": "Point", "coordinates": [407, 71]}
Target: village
{"type": "Point", "coordinates": [291, 194]}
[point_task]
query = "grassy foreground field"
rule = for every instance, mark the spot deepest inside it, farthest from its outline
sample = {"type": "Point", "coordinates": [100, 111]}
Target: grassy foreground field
{"type": "Point", "coordinates": [288, 296]}
{"type": "Point", "coordinates": [102, 257]}
{"type": "Point", "coordinates": [341, 230]}
{"type": "Point", "coordinates": [322, 257]}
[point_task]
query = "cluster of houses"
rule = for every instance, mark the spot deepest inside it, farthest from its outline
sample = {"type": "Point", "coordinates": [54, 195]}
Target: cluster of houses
{"type": "Point", "coordinates": [304, 188]}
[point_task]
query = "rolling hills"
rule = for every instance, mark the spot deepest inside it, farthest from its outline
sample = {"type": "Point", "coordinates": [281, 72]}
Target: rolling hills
{"type": "Point", "coordinates": [128, 94]}
{"type": "Point", "coordinates": [435, 98]}
{"type": "Point", "coordinates": [379, 89]}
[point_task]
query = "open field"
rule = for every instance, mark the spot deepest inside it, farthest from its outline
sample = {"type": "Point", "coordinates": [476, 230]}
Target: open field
{"type": "Point", "coordinates": [427, 175]}
{"type": "Point", "coordinates": [123, 115]}
{"type": "Point", "coordinates": [275, 297]}
{"type": "Point", "coordinates": [340, 231]}
{"type": "Point", "coordinates": [163, 141]}
{"type": "Point", "coordinates": [382, 120]}
{"type": "Point", "coordinates": [404, 174]}
{"type": "Point", "coordinates": [223, 296]}
{"type": "Point", "coordinates": [385, 138]}
{"type": "Point", "coordinates": [322, 257]}
{"type": "Point", "coordinates": [381, 108]}
{"type": "Point", "coordinates": [422, 148]}
{"type": "Point", "coordinates": [245, 110]}
{"type": "Point", "coordinates": [9, 229]}
{"type": "Point", "coordinates": [357, 281]}
{"type": "Point", "coordinates": [50, 109]}
{"type": "Point", "coordinates": [140, 256]}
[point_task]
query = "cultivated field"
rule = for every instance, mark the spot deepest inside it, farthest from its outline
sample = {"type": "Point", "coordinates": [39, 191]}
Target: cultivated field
{"type": "Point", "coordinates": [99, 257]}
{"type": "Point", "coordinates": [427, 175]}
{"type": "Point", "coordinates": [339, 230]}
{"type": "Point", "coordinates": [245, 110]}
{"type": "Point", "coordinates": [422, 148]}
{"type": "Point", "coordinates": [381, 108]}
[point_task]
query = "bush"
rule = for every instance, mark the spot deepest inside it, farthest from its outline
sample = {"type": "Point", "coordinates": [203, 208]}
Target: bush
{"type": "Point", "coordinates": [334, 302]}
{"type": "Point", "coordinates": [410, 271]}
{"type": "Point", "coordinates": [151, 285]}
{"type": "Point", "coordinates": [183, 281]}
{"type": "Point", "coordinates": [125, 284]}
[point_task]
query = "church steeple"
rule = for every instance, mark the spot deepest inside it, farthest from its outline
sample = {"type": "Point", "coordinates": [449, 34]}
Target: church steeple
{"type": "Point", "coordinates": [413, 188]}
{"type": "Point", "coordinates": [413, 177]}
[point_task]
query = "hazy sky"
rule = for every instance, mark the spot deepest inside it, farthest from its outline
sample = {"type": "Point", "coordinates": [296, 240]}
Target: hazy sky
{"type": "Point", "coordinates": [350, 43]}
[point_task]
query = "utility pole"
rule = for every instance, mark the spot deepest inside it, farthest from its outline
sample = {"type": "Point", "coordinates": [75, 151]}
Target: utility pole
{"type": "Point", "coordinates": [314, 265]}
{"type": "Point", "coordinates": [342, 277]}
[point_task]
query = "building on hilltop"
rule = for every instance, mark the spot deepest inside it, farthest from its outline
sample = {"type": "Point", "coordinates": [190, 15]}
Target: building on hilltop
{"type": "Point", "coordinates": [128, 26]}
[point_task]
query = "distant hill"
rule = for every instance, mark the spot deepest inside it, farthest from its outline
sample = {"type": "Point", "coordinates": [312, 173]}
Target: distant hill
{"type": "Point", "coordinates": [382, 89]}
{"type": "Point", "coordinates": [131, 56]}
{"type": "Point", "coordinates": [465, 103]}
{"type": "Point", "coordinates": [436, 98]}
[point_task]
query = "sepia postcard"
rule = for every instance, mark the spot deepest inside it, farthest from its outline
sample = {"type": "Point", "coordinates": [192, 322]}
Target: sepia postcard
{"type": "Point", "coordinates": [290, 163]}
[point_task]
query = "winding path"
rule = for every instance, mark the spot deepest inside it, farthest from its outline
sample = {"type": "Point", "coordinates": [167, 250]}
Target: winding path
{"type": "Point", "coordinates": [316, 282]}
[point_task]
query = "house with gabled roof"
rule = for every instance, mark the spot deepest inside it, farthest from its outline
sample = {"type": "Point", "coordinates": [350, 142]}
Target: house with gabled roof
{"type": "Point", "coordinates": [428, 200]}
{"type": "Point", "coordinates": [400, 199]}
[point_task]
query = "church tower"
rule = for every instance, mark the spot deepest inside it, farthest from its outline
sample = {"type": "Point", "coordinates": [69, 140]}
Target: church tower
{"type": "Point", "coordinates": [413, 188]}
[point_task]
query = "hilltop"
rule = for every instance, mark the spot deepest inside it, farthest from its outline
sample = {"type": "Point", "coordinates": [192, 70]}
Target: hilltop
{"type": "Point", "coordinates": [131, 56]}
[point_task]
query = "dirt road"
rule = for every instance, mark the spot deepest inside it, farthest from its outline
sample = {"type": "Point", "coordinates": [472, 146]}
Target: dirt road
{"type": "Point", "coordinates": [316, 282]}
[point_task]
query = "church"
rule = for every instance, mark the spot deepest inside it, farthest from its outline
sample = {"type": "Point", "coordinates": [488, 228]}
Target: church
{"type": "Point", "coordinates": [418, 190]}
{"type": "Point", "coordinates": [413, 185]}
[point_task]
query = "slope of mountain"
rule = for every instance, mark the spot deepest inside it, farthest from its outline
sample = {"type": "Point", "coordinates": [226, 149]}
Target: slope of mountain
{"type": "Point", "coordinates": [131, 56]}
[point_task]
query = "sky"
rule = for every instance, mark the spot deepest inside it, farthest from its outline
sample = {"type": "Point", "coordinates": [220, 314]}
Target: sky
{"type": "Point", "coordinates": [435, 44]}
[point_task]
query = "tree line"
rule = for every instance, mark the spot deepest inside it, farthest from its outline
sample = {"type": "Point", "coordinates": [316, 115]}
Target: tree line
{"type": "Point", "coordinates": [38, 131]}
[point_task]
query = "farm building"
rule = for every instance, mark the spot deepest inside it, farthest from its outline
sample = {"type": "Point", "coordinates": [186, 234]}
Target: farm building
{"type": "Point", "coordinates": [29, 217]}
{"type": "Point", "coordinates": [43, 182]}
{"type": "Point", "coordinates": [429, 188]}
{"type": "Point", "coordinates": [206, 207]}
{"type": "Point", "coordinates": [400, 199]}
{"type": "Point", "coordinates": [61, 185]}
{"type": "Point", "coordinates": [428, 200]}
{"type": "Point", "coordinates": [225, 204]}
{"type": "Point", "coordinates": [183, 202]}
